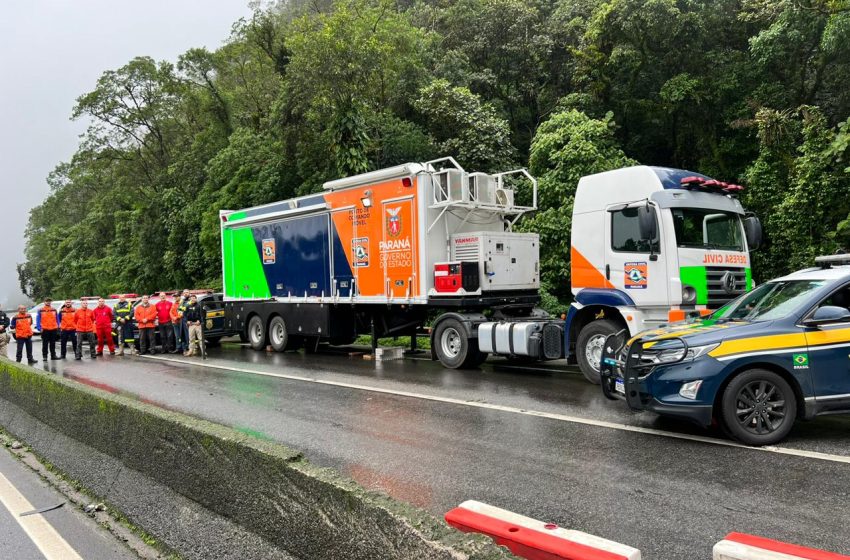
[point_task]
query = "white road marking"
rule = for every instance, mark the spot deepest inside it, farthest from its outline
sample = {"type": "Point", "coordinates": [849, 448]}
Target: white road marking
{"type": "Point", "coordinates": [502, 408]}
{"type": "Point", "coordinates": [41, 533]}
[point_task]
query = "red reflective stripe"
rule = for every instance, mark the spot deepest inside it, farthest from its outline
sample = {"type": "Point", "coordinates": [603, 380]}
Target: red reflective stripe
{"type": "Point", "coordinates": [525, 542]}
{"type": "Point", "coordinates": [784, 548]}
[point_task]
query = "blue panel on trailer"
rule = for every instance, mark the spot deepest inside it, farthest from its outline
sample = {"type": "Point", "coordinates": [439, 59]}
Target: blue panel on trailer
{"type": "Point", "coordinates": [342, 268]}
{"type": "Point", "coordinates": [296, 255]}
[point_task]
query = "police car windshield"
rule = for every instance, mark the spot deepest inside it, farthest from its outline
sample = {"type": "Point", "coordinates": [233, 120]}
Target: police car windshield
{"type": "Point", "coordinates": [769, 301]}
{"type": "Point", "coordinates": [707, 229]}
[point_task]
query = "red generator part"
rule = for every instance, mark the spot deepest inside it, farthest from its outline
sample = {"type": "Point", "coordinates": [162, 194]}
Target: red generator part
{"type": "Point", "coordinates": [452, 277]}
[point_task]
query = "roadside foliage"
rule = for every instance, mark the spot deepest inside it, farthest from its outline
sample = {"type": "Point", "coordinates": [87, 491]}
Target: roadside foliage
{"type": "Point", "coordinates": [749, 91]}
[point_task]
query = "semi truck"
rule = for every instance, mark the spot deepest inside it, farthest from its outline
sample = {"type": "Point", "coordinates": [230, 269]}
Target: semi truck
{"type": "Point", "coordinates": [384, 253]}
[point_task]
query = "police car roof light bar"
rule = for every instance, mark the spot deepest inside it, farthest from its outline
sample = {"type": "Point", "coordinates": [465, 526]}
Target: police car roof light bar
{"type": "Point", "coordinates": [827, 261]}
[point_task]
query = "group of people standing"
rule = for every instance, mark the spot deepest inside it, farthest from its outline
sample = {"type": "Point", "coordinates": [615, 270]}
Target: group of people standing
{"type": "Point", "coordinates": [178, 321]}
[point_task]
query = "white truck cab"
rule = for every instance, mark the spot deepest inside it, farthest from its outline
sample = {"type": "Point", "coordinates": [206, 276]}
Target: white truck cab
{"type": "Point", "coordinates": [649, 246]}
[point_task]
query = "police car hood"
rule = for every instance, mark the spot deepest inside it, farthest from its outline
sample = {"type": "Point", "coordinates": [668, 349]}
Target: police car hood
{"type": "Point", "coordinates": [701, 332]}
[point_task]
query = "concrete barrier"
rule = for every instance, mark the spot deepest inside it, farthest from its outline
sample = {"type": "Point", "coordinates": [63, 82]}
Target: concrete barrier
{"type": "Point", "coordinates": [740, 546]}
{"type": "Point", "coordinates": [533, 539]}
{"type": "Point", "coordinates": [265, 488]}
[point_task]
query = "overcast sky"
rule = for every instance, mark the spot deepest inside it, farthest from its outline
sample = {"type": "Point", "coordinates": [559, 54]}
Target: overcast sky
{"type": "Point", "coordinates": [51, 52]}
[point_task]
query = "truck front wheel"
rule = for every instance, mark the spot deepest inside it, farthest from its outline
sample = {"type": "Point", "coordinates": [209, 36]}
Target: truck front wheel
{"type": "Point", "coordinates": [453, 348]}
{"type": "Point", "coordinates": [257, 333]}
{"type": "Point", "coordinates": [589, 346]}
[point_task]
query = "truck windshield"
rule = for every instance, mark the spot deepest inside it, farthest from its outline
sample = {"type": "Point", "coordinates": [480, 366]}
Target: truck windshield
{"type": "Point", "coordinates": [769, 301]}
{"type": "Point", "coordinates": [702, 228]}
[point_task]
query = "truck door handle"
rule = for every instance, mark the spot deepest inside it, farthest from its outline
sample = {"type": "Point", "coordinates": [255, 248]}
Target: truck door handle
{"type": "Point", "coordinates": [607, 271]}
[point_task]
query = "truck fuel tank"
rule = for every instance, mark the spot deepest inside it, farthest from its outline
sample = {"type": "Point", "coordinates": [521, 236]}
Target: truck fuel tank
{"type": "Point", "coordinates": [542, 340]}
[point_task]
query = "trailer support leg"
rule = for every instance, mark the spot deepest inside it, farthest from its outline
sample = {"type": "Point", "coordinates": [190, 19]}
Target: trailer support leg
{"type": "Point", "coordinates": [374, 336]}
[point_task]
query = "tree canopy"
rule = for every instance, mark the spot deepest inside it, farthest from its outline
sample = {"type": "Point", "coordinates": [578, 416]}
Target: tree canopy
{"type": "Point", "coordinates": [753, 91]}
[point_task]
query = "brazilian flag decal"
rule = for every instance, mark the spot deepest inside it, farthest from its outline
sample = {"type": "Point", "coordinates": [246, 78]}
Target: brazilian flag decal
{"type": "Point", "coordinates": [801, 361]}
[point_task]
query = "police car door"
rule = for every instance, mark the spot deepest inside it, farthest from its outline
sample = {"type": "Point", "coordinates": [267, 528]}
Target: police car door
{"type": "Point", "coordinates": [634, 264]}
{"type": "Point", "coordinates": [828, 357]}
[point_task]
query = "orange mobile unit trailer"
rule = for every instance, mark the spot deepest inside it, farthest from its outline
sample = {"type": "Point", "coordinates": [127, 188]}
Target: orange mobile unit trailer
{"type": "Point", "coordinates": [378, 253]}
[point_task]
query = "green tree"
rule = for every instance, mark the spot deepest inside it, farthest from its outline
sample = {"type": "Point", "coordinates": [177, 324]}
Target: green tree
{"type": "Point", "coordinates": [466, 128]}
{"type": "Point", "coordinates": [566, 147]}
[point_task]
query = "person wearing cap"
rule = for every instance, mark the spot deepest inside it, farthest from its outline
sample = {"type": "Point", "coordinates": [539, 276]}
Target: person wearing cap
{"type": "Point", "coordinates": [145, 315]}
{"type": "Point", "coordinates": [193, 321]}
{"type": "Point", "coordinates": [84, 323]}
{"type": "Point", "coordinates": [47, 321]}
{"type": "Point", "coordinates": [4, 332]}
{"type": "Point", "coordinates": [22, 325]}
{"type": "Point", "coordinates": [124, 319]}
{"type": "Point", "coordinates": [103, 327]}
{"type": "Point", "coordinates": [67, 329]}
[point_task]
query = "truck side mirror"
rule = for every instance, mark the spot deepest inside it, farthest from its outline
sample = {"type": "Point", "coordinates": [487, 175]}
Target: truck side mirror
{"type": "Point", "coordinates": [647, 223]}
{"type": "Point", "coordinates": [753, 232]}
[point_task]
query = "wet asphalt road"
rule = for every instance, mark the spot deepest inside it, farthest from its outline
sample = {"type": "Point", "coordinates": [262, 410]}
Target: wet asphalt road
{"type": "Point", "coordinates": [673, 498]}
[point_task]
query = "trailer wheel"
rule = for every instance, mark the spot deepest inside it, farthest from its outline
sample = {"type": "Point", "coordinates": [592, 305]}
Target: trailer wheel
{"type": "Point", "coordinates": [589, 345]}
{"type": "Point", "coordinates": [453, 348]}
{"type": "Point", "coordinates": [279, 336]}
{"type": "Point", "coordinates": [257, 333]}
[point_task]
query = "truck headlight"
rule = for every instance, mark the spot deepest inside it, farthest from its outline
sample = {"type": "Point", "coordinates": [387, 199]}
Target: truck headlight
{"type": "Point", "coordinates": [690, 389]}
{"type": "Point", "coordinates": [689, 294]}
{"type": "Point", "coordinates": [675, 354]}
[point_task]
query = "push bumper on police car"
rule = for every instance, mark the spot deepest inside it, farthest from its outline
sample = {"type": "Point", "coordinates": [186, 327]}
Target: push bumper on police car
{"type": "Point", "coordinates": [628, 370]}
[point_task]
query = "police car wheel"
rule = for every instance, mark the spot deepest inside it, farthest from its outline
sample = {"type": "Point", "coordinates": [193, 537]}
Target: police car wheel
{"type": "Point", "coordinates": [590, 344]}
{"type": "Point", "coordinates": [758, 407]}
{"type": "Point", "coordinates": [257, 333]}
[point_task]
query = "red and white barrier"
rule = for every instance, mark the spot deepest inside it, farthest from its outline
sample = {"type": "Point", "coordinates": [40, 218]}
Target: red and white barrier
{"type": "Point", "coordinates": [532, 539]}
{"type": "Point", "coordinates": [739, 546]}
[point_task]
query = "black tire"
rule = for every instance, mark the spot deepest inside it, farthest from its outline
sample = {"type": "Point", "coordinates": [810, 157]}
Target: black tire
{"type": "Point", "coordinates": [257, 335]}
{"type": "Point", "coordinates": [453, 348]}
{"type": "Point", "coordinates": [243, 337]}
{"type": "Point", "coordinates": [214, 341]}
{"type": "Point", "coordinates": [279, 337]}
{"type": "Point", "coordinates": [593, 334]}
{"type": "Point", "coordinates": [758, 407]}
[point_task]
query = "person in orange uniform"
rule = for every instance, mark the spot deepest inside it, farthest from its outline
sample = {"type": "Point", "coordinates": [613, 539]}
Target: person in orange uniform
{"type": "Point", "coordinates": [103, 327]}
{"type": "Point", "coordinates": [67, 328]}
{"type": "Point", "coordinates": [22, 326]}
{"type": "Point", "coordinates": [84, 322]}
{"type": "Point", "coordinates": [145, 316]}
{"type": "Point", "coordinates": [47, 322]}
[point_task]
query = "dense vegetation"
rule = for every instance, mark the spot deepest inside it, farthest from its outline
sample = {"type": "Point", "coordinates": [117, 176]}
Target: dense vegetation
{"type": "Point", "coordinates": [752, 91]}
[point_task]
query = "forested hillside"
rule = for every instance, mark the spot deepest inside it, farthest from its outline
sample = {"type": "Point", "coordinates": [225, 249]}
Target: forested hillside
{"type": "Point", "coordinates": [750, 91]}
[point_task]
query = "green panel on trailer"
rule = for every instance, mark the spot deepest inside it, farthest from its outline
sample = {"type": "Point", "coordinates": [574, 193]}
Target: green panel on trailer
{"type": "Point", "coordinates": [244, 276]}
{"type": "Point", "coordinates": [696, 277]}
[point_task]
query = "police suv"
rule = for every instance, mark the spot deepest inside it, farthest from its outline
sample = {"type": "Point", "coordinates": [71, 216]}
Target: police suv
{"type": "Point", "coordinates": [778, 353]}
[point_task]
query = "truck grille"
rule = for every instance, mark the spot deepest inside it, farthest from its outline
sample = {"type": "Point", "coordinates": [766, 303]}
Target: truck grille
{"type": "Point", "coordinates": [724, 285]}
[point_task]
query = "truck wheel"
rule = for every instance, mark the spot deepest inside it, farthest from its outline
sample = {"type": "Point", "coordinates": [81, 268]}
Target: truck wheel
{"type": "Point", "coordinates": [257, 333]}
{"type": "Point", "coordinates": [453, 348]}
{"type": "Point", "coordinates": [589, 345]}
{"type": "Point", "coordinates": [243, 337]}
{"type": "Point", "coordinates": [279, 335]}
{"type": "Point", "coordinates": [213, 341]}
{"type": "Point", "coordinates": [758, 407]}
